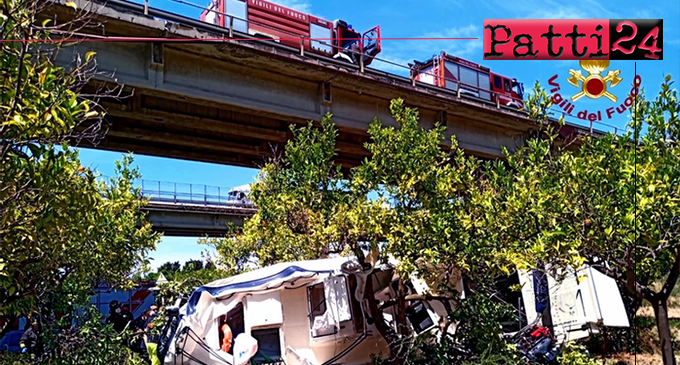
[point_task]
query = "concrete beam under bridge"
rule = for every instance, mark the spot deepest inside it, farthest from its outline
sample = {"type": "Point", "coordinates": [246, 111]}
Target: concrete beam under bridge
{"type": "Point", "coordinates": [194, 220]}
{"type": "Point", "coordinates": [232, 101]}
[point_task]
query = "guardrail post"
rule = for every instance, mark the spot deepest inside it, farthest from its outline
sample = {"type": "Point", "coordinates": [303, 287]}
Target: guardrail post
{"type": "Point", "coordinates": [205, 194]}
{"type": "Point", "coordinates": [361, 61]}
{"type": "Point", "coordinates": [231, 26]}
{"type": "Point", "coordinates": [591, 127]}
{"type": "Point", "coordinates": [219, 195]}
{"type": "Point", "coordinates": [191, 192]}
{"type": "Point", "coordinates": [146, 7]}
{"type": "Point", "coordinates": [616, 131]}
{"type": "Point", "coordinates": [458, 89]}
{"type": "Point", "coordinates": [174, 197]}
{"type": "Point", "coordinates": [159, 189]}
{"type": "Point", "coordinates": [498, 102]}
{"type": "Point", "coordinates": [302, 46]}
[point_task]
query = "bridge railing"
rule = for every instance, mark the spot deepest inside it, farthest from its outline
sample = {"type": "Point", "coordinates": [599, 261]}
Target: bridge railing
{"type": "Point", "coordinates": [192, 194]}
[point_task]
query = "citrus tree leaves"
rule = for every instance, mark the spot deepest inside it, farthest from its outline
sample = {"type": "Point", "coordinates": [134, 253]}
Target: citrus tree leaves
{"type": "Point", "coordinates": [62, 229]}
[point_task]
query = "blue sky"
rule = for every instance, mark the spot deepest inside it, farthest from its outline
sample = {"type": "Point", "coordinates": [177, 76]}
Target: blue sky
{"type": "Point", "coordinates": [429, 19]}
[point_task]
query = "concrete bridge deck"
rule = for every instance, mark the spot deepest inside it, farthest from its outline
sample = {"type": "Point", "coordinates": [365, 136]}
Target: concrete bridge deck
{"type": "Point", "coordinates": [231, 101]}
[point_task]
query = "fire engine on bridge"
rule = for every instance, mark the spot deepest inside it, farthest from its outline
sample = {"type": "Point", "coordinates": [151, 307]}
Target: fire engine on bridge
{"type": "Point", "coordinates": [337, 39]}
{"type": "Point", "coordinates": [267, 20]}
{"type": "Point", "coordinates": [449, 72]}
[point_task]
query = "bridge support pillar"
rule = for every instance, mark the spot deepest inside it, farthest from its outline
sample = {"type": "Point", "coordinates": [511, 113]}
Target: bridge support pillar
{"type": "Point", "coordinates": [326, 97]}
{"type": "Point", "coordinates": [156, 71]}
{"type": "Point", "coordinates": [442, 118]}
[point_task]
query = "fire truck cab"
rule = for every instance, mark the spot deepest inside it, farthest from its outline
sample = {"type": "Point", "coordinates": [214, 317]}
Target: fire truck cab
{"type": "Point", "coordinates": [452, 72]}
{"type": "Point", "coordinates": [267, 20]}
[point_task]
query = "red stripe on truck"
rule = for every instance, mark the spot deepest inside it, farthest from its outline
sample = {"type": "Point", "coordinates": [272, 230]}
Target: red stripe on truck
{"type": "Point", "coordinates": [260, 18]}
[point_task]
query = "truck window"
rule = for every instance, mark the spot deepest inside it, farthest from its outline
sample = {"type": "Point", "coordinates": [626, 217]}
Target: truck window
{"type": "Point", "coordinates": [506, 82]}
{"type": "Point", "coordinates": [484, 81]}
{"type": "Point", "coordinates": [517, 88]}
{"type": "Point", "coordinates": [370, 39]}
{"type": "Point", "coordinates": [451, 75]}
{"type": "Point", "coordinates": [238, 9]}
{"type": "Point", "coordinates": [348, 37]}
{"type": "Point", "coordinates": [319, 32]}
{"type": "Point", "coordinates": [468, 76]}
{"type": "Point", "coordinates": [497, 82]}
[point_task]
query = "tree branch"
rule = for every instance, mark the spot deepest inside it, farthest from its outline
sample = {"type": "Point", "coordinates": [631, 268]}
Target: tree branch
{"type": "Point", "coordinates": [672, 277]}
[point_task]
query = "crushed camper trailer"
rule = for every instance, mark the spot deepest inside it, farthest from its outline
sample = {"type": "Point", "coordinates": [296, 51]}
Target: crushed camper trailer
{"type": "Point", "coordinates": [315, 313]}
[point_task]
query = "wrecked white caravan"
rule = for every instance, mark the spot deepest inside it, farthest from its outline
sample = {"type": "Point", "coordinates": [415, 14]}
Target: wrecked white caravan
{"type": "Point", "coordinates": [307, 312]}
{"type": "Point", "coordinates": [580, 303]}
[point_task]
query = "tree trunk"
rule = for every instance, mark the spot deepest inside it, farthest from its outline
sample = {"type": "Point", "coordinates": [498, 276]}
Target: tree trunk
{"type": "Point", "coordinates": [377, 316]}
{"type": "Point", "coordinates": [663, 326]}
{"type": "Point", "coordinates": [401, 312]}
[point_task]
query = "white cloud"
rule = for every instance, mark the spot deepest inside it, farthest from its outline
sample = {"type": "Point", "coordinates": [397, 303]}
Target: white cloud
{"type": "Point", "coordinates": [299, 5]}
{"type": "Point", "coordinates": [559, 13]}
{"type": "Point", "coordinates": [551, 9]}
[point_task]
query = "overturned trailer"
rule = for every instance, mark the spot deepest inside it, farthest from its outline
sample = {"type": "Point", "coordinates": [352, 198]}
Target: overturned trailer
{"type": "Point", "coordinates": [585, 301]}
{"type": "Point", "coordinates": [316, 313]}
{"type": "Point", "coordinates": [306, 312]}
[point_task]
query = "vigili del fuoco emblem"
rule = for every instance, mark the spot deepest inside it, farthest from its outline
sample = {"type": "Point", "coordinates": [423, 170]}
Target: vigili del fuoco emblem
{"type": "Point", "coordinates": [594, 85]}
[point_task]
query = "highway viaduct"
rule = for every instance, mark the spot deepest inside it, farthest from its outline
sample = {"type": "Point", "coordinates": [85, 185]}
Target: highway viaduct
{"type": "Point", "coordinates": [188, 220]}
{"type": "Point", "coordinates": [232, 100]}
{"type": "Point", "coordinates": [191, 210]}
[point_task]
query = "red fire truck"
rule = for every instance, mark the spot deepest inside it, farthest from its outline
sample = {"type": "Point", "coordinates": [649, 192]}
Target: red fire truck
{"type": "Point", "coordinates": [267, 20]}
{"type": "Point", "coordinates": [448, 72]}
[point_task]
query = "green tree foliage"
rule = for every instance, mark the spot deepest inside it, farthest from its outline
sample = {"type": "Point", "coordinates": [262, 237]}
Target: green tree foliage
{"type": "Point", "coordinates": [192, 265]}
{"type": "Point", "coordinates": [170, 269]}
{"type": "Point", "coordinates": [575, 355]}
{"type": "Point", "coordinates": [184, 282]}
{"type": "Point", "coordinates": [62, 230]}
{"type": "Point", "coordinates": [87, 343]}
{"type": "Point", "coordinates": [612, 204]}
{"type": "Point", "coordinates": [301, 199]}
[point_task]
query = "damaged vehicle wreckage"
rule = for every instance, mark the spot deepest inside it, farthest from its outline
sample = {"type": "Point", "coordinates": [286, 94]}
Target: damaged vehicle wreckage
{"type": "Point", "coordinates": [317, 312]}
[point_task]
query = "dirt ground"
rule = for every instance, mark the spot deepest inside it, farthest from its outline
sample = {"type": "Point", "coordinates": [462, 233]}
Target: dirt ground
{"type": "Point", "coordinates": [638, 359]}
{"type": "Point", "coordinates": [649, 359]}
{"type": "Point", "coordinates": [649, 312]}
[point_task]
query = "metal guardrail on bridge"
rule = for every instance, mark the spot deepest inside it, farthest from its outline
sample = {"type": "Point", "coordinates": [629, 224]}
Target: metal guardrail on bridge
{"type": "Point", "coordinates": [193, 194]}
